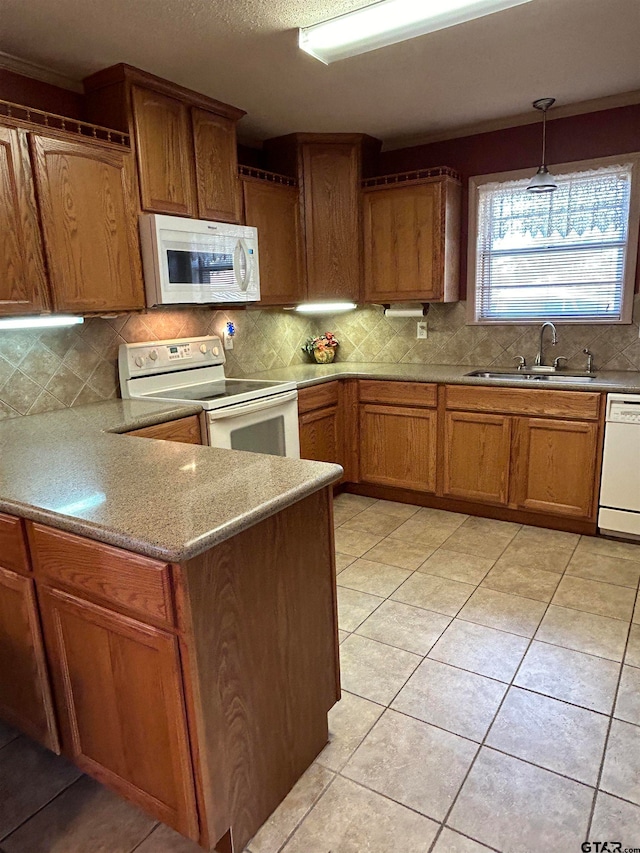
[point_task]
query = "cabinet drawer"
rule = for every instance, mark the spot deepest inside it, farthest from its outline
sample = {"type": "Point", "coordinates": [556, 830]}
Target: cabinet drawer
{"type": "Point", "coordinates": [398, 393]}
{"type": "Point", "coordinates": [13, 548]}
{"type": "Point", "coordinates": [128, 582]}
{"type": "Point", "coordinates": [186, 430]}
{"type": "Point", "coordinates": [318, 396]}
{"type": "Point", "coordinates": [524, 401]}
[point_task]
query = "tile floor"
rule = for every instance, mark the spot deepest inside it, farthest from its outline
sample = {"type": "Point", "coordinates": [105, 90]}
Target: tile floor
{"type": "Point", "coordinates": [491, 677]}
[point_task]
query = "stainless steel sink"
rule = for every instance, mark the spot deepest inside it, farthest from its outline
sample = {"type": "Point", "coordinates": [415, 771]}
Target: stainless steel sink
{"type": "Point", "coordinates": [525, 376]}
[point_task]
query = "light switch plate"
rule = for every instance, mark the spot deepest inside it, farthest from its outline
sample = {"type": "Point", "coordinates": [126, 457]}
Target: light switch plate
{"type": "Point", "coordinates": [421, 330]}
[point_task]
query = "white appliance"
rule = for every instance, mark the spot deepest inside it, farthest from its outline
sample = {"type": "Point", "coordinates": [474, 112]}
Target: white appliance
{"type": "Point", "coordinates": [619, 512]}
{"type": "Point", "coordinates": [193, 261]}
{"type": "Point", "coordinates": [240, 414]}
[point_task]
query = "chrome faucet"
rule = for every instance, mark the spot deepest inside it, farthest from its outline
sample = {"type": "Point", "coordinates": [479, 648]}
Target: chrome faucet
{"type": "Point", "coordinates": [554, 340]}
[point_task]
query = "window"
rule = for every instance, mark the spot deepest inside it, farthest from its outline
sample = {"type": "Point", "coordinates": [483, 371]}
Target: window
{"type": "Point", "coordinates": [567, 256]}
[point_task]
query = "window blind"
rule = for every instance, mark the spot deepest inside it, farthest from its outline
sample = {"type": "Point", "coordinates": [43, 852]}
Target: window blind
{"type": "Point", "coordinates": [558, 255]}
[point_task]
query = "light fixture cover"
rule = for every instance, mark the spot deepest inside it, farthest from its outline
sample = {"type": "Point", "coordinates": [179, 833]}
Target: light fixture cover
{"type": "Point", "coordinates": [47, 321]}
{"type": "Point", "coordinates": [542, 182]}
{"type": "Point", "coordinates": [325, 307]}
{"type": "Point", "coordinates": [389, 22]}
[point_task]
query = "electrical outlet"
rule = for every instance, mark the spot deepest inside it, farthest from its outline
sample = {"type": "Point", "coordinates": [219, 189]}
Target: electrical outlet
{"type": "Point", "coordinates": [421, 330]}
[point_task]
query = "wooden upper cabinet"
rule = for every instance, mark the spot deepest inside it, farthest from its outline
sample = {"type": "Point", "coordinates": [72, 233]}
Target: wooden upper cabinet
{"type": "Point", "coordinates": [89, 225]}
{"type": "Point", "coordinates": [329, 170]}
{"type": "Point", "coordinates": [275, 211]}
{"type": "Point", "coordinates": [555, 468]}
{"type": "Point", "coordinates": [185, 142]}
{"type": "Point", "coordinates": [332, 220]}
{"type": "Point", "coordinates": [165, 153]}
{"type": "Point", "coordinates": [411, 241]}
{"type": "Point", "coordinates": [216, 161]}
{"type": "Point", "coordinates": [23, 283]}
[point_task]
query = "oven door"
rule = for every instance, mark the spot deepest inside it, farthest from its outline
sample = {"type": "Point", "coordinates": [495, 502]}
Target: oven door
{"type": "Point", "coordinates": [269, 425]}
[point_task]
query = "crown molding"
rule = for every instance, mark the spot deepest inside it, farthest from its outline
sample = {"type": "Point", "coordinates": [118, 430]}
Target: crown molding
{"type": "Point", "coordinates": [38, 72]}
{"type": "Point", "coordinates": [624, 99]}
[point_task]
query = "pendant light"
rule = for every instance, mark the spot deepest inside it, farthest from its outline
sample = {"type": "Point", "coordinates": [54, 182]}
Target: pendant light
{"type": "Point", "coordinates": [543, 181]}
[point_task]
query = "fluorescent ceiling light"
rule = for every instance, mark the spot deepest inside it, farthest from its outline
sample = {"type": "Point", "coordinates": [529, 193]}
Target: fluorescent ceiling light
{"type": "Point", "coordinates": [325, 307]}
{"type": "Point", "coordinates": [40, 322]}
{"type": "Point", "coordinates": [389, 22]}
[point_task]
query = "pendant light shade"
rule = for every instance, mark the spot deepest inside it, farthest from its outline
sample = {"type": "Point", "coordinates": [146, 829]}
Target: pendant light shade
{"type": "Point", "coordinates": [543, 181]}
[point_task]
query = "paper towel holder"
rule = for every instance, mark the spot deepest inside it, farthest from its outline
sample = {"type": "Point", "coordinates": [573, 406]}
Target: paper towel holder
{"type": "Point", "coordinates": [406, 312]}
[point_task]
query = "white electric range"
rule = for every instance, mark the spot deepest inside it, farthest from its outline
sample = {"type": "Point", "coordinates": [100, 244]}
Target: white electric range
{"type": "Point", "coordinates": [240, 414]}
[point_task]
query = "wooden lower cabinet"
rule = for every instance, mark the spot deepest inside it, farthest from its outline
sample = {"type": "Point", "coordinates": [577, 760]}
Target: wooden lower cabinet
{"type": "Point", "coordinates": [555, 467]}
{"type": "Point", "coordinates": [120, 705]}
{"type": "Point", "coordinates": [398, 446]}
{"type": "Point", "coordinates": [186, 430]}
{"type": "Point", "coordinates": [476, 457]}
{"type": "Point", "coordinates": [25, 696]}
{"type": "Point", "coordinates": [320, 435]}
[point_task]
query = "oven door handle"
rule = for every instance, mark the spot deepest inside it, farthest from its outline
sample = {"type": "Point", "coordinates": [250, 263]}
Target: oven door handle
{"type": "Point", "coordinates": [234, 411]}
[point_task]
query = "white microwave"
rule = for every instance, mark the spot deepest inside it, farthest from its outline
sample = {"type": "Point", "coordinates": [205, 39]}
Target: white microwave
{"type": "Point", "coordinates": [193, 261]}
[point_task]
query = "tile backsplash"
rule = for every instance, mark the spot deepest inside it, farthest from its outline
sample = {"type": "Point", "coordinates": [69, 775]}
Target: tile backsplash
{"type": "Point", "coordinates": [47, 369]}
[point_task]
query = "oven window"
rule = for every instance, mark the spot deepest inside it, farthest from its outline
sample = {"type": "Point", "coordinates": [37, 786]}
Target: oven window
{"type": "Point", "coordinates": [263, 437]}
{"type": "Point", "coordinates": [200, 267]}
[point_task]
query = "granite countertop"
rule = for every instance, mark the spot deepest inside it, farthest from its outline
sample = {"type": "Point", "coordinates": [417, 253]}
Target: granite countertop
{"type": "Point", "coordinates": [71, 470]}
{"type": "Point", "coordinates": [623, 381]}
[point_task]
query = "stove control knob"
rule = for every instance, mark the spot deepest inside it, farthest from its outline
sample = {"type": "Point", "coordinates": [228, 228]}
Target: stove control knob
{"type": "Point", "coordinates": [139, 361]}
{"type": "Point", "coordinates": [153, 355]}
{"type": "Point", "coordinates": [203, 348]}
{"type": "Point", "coordinates": [215, 350]}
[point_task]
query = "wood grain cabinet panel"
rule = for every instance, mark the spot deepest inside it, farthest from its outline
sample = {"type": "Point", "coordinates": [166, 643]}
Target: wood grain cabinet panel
{"type": "Point", "coordinates": [186, 430]}
{"type": "Point", "coordinates": [398, 393]}
{"type": "Point", "coordinates": [320, 437]}
{"type": "Point", "coordinates": [398, 447]}
{"type": "Point", "coordinates": [556, 466]}
{"type": "Point", "coordinates": [13, 547]}
{"type": "Point", "coordinates": [216, 161]}
{"type": "Point", "coordinates": [411, 234]}
{"type": "Point", "coordinates": [332, 220]}
{"type": "Point", "coordinates": [476, 457]}
{"type": "Point", "coordinates": [89, 225]}
{"type": "Point", "coordinates": [120, 705]}
{"type": "Point", "coordinates": [165, 153]}
{"type": "Point", "coordinates": [23, 282]}
{"type": "Point", "coordinates": [274, 209]}
{"type": "Point", "coordinates": [25, 695]}
{"type": "Point", "coordinates": [130, 582]}
{"type": "Point", "coordinates": [317, 396]}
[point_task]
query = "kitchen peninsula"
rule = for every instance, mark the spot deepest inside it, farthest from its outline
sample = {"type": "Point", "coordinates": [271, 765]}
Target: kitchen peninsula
{"type": "Point", "coordinates": [188, 651]}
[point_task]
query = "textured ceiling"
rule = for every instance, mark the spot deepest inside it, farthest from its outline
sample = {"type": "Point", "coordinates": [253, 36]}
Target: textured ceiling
{"type": "Point", "coordinates": [245, 52]}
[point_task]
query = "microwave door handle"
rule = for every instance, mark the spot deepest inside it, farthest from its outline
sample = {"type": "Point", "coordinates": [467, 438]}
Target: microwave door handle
{"type": "Point", "coordinates": [235, 411]}
{"type": "Point", "coordinates": [239, 252]}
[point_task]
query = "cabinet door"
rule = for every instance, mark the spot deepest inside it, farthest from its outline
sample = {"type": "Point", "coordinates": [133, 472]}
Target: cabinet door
{"type": "Point", "coordinates": [476, 457]}
{"type": "Point", "coordinates": [23, 283]}
{"type": "Point", "coordinates": [185, 430]}
{"type": "Point", "coordinates": [320, 436]}
{"type": "Point", "coordinates": [403, 243]}
{"type": "Point", "coordinates": [89, 225]}
{"type": "Point", "coordinates": [25, 696]}
{"type": "Point", "coordinates": [165, 153]}
{"type": "Point", "coordinates": [216, 158]}
{"type": "Point", "coordinates": [556, 466]}
{"type": "Point", "coordinates": [332, 220]}
{"type": "Point", "coordinates": [275, 211]}
{"type": "Point", "coordinates": [120, 705]}
{"type": "Point", "coordinates": [398, 447]}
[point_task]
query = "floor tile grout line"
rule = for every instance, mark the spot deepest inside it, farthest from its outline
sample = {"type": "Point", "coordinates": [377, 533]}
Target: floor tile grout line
{"type": "Point", "coordinates": [484, 739]}
{"type": "Point", "coordinates": [307, 812]}
{"type": "Point", "coordinates": [41, 808]}
{"type": "Point", "coordinates": [146, 838]}
{"type": "Point", "coordinates": [609, 727]}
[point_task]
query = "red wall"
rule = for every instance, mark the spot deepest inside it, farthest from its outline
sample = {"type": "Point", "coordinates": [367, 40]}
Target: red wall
{"type": "Point", "coordinates": [41, 96]}
{"type": "Point", "coordinates": [599, 134]}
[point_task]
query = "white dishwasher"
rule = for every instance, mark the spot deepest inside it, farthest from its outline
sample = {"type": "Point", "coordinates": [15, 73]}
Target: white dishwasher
{"type": "Point", "coordinates": [619, 512]}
